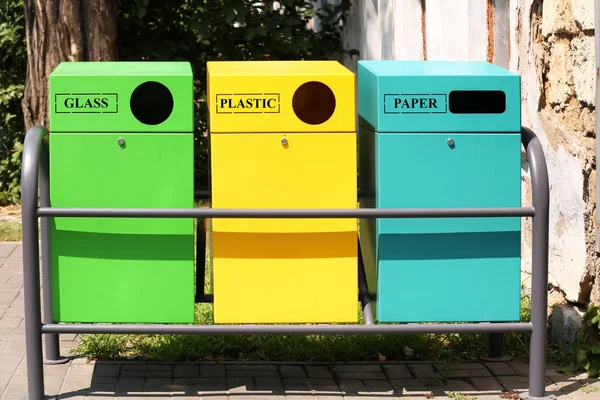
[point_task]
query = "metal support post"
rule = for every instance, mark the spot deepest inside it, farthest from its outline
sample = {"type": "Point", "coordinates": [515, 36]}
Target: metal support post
{"type": "Point", "coordinates": [539, 291]}
{"type": "Point", "coordinates": [200, 260]}
{"type": "Point", "coordinates": [52, 340]}
{"type": "Point", "coordinates": [363, 291]}
{"type": "Point", "coordinates": [31, 262]}
{"type": "Point", "coordinates": [496, 345]}
{"type": "Point", "coordinates": [496, 348]}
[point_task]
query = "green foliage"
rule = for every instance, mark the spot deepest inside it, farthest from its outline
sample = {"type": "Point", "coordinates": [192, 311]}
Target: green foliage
{"type": "Point", "coordinates": [327, 348]}
{"type": "Point", "coordinates": [584, 353]}
{"type": "Point", "coordinates": [460, 396]}
{"type": "Point", "coordinates": [10, 231]}
{"type": "Point", "coordinates": [254, 347]}
{"type": "Point", "coordinates": [13, 59]}
{"type": "Point", "coordinates": [171, 30]}
{"type": "Point", "coordinates": [592, 317]}
{"type": "Point", "coordinates": [204, 30]}
{"type": "Point", "coordinates": [590, 389]}
{"type": "Point", "coordinates": [469, 347]}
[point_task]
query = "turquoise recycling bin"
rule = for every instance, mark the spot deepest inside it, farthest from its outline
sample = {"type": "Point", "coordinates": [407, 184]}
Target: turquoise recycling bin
{"type": "Point", "coordinates": [440, 135]}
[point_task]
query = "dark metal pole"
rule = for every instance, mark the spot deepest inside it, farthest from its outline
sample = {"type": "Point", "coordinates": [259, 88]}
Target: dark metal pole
{"type": "Point", "coordinates": [495, 345]}
{"type": "Point", "coordinates": [363, 291]}
{"type": "Point", "coordinates": [200, 259]}
{"type": "Point", "coordinates": [327, 329]}
{"type": "Point", "coordinates": [539, 290]}
{"type": "Point", "coordinates": [31, 259]}
{"type": "Point", "coordinates": [286, 213]}
{"type": "Point", "coordinates": [52, 340]}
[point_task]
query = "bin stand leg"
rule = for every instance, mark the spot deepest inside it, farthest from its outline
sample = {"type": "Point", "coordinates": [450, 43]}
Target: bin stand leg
{"type": "Point", "coordinates": [51, 339]}
{"type": "Point", "coordinates": [496, 345]}
{"type": "Point", "coordinates": [33, 317]}
{"type": "Point", "coordinates": [496, 348]}
{"type": "Point", "coordinates": [200, 260]}
{"type": "Point", "coordinates": [31, 264]}
{"type": "Point", "coordinates": [539, 266]}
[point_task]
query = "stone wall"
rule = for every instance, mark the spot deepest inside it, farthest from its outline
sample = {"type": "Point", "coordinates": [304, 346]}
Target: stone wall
{"type": "Point", "coordinates": [551, 44]}
{"type": "Point", "coordinates": [555, 55]}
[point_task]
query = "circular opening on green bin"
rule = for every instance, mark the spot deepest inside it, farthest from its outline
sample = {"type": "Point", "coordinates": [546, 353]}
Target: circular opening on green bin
{"type": "Point", "coordinates": [313, 103]}
{"type": "Point", "coordinates": [151, 103]}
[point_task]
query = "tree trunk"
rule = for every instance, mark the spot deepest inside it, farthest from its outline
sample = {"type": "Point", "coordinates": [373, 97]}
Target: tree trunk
{"type": "Point", "coordinates": [63, 30]}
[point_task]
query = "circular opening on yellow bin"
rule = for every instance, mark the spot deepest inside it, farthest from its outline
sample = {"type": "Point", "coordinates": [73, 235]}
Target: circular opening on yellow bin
{"type": "Point", "coordinates": [151, 103]}
{"type": "Point", "coordinates": [313, 103]}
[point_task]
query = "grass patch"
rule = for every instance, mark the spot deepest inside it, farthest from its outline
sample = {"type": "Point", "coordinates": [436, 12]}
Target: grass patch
{"type": "Point", "coordinates": [10, 231]}
{"type": "Point", "coordinates": [250, 347]}
{"type": "Point", "coordinates": [460, 396]}
{"type": "Point", "coordinates": [590, 389]}
{"type": "Point", "coordinates": [290, 347]}
{"type": "Point", "coordinates": [328, 348]}
{"type": "Point", "coordinates": [444, 347]}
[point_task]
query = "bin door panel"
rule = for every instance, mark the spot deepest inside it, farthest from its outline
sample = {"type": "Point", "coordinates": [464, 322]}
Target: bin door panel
{"type": "Point", "coordinates": [424, 171]}
{"type": "Point", "coordinates": [294, 277]}
{"type": "Point", "coordinates": [148, 171]}
{"type": "Point", "coordinates": [122, 269]}
{"type": "Point", "coordinates": [258, 171]}
{"type": "Point", "coordinates": [449, 277]}
{"type": "Point", "coordinates": [457, 260]}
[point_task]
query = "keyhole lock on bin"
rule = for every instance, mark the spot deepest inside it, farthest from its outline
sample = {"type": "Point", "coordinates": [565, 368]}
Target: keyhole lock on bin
{"type": "Point", "coordinates": [257, 111]}
{"type": "Point", "coordinates": [97, 109]}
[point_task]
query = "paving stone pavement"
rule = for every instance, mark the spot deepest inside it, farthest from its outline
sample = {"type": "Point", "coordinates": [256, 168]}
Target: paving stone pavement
{"type": "Point", "coordinates": [80, 378]}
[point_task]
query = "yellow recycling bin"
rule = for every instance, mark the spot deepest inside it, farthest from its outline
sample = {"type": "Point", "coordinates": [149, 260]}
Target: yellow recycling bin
{"type": "Point", "coordinates": [283, 135]}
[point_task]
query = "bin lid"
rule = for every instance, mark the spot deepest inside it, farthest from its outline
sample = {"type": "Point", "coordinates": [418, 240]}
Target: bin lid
{"type": "Point", "coordinates": [120, 96]}
{"type": "Point", "coordinates": [280, 96]}
{"type": "Point", "coordinates": [438, 96]}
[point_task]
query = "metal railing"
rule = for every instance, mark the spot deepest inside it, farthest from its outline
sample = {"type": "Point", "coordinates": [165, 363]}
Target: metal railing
{"type": "Point", "coordinates": [35, 167]}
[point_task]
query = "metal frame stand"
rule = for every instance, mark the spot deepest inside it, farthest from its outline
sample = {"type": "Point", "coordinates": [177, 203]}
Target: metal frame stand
{"type": "Point", "coordinates": [35, 150]}
{"type": "Point", "coordinates": [52, 340]}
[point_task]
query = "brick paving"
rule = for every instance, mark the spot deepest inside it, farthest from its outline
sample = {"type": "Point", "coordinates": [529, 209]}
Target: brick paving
{"type": "Point", "coordinates": [80, 378]}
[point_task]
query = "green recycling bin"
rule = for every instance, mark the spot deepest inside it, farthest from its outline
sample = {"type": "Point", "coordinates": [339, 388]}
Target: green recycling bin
{"type": "Point", "coordinates": [121, 136]}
